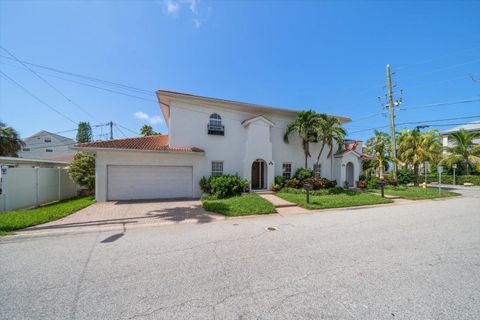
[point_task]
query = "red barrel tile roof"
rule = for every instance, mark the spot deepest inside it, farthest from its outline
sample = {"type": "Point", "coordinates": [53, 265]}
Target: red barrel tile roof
{"type": "Point", "coordinates": [149, 143]}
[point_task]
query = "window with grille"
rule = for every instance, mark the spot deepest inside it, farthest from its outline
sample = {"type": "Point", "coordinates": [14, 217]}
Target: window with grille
{"type": "Point", "coordinates": [217, 168]}
{"type": "Point", "coordinates": [26, 149]}
{"type": "Point", "coordinates": [287, 170]}
{"type": "Point", "coordinates": [49, 150]}
{"type": "Point", "coordinates": [47, 139]}
{"type": "Point", "coordinates": [215, 126]}
{"type": "Point", "coordinates": [317, 170]}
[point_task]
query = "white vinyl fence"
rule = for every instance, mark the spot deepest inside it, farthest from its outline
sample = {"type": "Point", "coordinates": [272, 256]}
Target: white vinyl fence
{"type": "Point", "coordinates": [30, 187]}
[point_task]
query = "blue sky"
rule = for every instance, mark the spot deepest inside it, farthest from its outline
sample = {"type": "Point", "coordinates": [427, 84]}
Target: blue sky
{"type": "Point", "coordinates": [327, 56]}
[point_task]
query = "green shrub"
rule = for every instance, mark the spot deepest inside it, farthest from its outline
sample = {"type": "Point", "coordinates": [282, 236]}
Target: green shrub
{"type": "Point", "coordinates": [320, 183]}
{"type": "Point", "coordinates": [388, 178]}
{"type": "Point", "coordinates": [204, 185]}
{"type": "Point", "coordinates": [448, 179]}
{"type": "Point", "coordinates": [302, 174]}
{"type": "Point", "coordinates": [372, 182]}
{"type": "Point", "coordinates": [405, 176]}
{"type": "Point", "coordinates": [280, 180]}
{"type": "Point", "coordinates": [293, 183]}
{"type": "Point", "coordinates": [221, 187]}
{"type": "Point", "coordinates": [82, 170]}
{"type": "Point", "coordinates": [276, 187]}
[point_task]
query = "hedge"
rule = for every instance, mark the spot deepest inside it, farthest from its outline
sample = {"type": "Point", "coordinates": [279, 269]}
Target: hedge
{"type": "Point", "coordinates": [448, 179]}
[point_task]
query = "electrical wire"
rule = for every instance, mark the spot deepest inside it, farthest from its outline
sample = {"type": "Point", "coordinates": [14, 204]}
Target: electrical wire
{"type": "Point", "coordinates": [47, 82]}
{"type": "Point", "coordinates": [37, 98]}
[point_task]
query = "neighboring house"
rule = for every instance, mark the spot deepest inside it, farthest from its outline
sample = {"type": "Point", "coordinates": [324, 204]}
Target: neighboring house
{"type": "Point", "coordinates": [48, 145]}
{"type": "Point", "coordinates": [472, 126]}
{"type": "Point", "coordinates": [208, 137]}
{"type": "Point", "coordinates": [13, 162]}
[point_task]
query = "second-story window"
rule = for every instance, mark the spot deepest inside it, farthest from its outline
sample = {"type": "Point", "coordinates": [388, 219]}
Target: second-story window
{"type": "Point", "coordinates": [215, 126]}
{"type": "Point", "coordinates": [47, 139]}
{"type": "Point", "coordinates": [49, 150]}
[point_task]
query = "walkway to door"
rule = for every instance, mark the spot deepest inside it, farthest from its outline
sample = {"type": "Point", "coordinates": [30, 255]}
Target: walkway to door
{"type": "Point", "coordinates": [282, 206]}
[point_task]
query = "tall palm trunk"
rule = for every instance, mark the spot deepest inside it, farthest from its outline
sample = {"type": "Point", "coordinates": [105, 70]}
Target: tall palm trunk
{"type": "Point", "coordinates": [466, 168]}
{"type": "Point", "coordinates": [306, 151]}
{"type": "Point", "coordinates": [415, 173]}
{"type": "Point", "coordinates": [320, 153]}
{"type": "Point", "coordinates": [331, 162]}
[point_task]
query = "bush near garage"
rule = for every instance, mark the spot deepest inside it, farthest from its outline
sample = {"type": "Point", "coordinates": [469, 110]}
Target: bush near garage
{"type": "Point", "coordinates": [221, 187]}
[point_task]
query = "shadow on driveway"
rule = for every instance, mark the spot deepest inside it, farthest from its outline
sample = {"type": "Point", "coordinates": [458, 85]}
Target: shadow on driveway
{"type": "Point", "coordinates": [155, 212]}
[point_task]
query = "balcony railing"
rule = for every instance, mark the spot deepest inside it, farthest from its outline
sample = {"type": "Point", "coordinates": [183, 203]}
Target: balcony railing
{"type": "Point", "coordinates": [216, 130]}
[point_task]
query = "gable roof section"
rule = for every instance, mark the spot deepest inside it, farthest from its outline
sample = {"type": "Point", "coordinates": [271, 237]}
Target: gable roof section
{"type": "Point", "coordinates": [257, 118]}
{"type": "Point", "coordinates": [350, 146]}
{"type": "Point", "coordinates": [44, 133]}
{"type": "Point", "coordinates": [165, 97]}
{"type": "Point", "coordinates": [148, 143]}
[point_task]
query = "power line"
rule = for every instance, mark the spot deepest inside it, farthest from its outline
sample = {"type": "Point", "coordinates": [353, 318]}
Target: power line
{"type": "Point", "coordinates": [130, 130]}
{"type": "Point", "coordinates": [100, 88]}
{"type": "Point", "coordinates": [442, 104]}
{"type": "Point", "coordinates": [47, 82]}
{"type": "Point", "coordinates": [37, 98]}
{"type": "Point", "coordinates": [436, 58]}
{"type": "Point", "coordinates": [93, 79]}
{"type": "Point", "coordinates": [118, 128]}
{"type": "Point", "coordinates": [442, 69]}
{"type": "Point", "coordinates": [416, 122]}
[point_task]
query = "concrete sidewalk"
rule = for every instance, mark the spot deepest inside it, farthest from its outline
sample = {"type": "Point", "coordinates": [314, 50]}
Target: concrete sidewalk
{"type": "Point", "coordinates": [282, 206]}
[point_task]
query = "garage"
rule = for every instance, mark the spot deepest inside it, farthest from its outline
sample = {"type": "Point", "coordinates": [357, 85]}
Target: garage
{"type": "Point", "coordinates": [137, 182]}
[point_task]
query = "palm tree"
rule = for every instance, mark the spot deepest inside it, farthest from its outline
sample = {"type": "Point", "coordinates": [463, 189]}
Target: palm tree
{"type": "Point", "coordinates": [378, 147]}
{"type": "Point", "coordinates": [305, 125]}
{"type": "Point", "coordinates": [147, 130]}
{"type": "Point", "coordinates": [10, 141]}
{"type": "Point", "coordinates": [463, 150]}
{"type": "Point", "coordinates": [415, 147]}
{"type": "Point", "coordinates": [329, 130]}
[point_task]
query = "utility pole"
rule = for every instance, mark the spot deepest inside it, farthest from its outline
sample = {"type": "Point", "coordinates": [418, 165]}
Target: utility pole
{"type": "Point", "coordinates": [111, 129]}
{"type": "Point", "coordinates": [392, 120]}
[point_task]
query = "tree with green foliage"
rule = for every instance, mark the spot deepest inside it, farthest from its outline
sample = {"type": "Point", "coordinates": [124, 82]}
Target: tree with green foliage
{"type": "Point", "coordinates": [82, 170]}
{"type": "Point", "coordinates": [328, 130]}
{"type": "Point", "coordinates": [415, 148]}
{"type": "Point", "coordinates": [463, 150]}
{"type": "Point", "coordinates": [10, 142]}
{"type": "Point", "coordinates": [305, 125]}
{"type": "Point", "coordinates": [379, 148]}
{"type": "Point", "coordinates": [147, 130]}
{"type": "Point", "coordinates": [84, 132]}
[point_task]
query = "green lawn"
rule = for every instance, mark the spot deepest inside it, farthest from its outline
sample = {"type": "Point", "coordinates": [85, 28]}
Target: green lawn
{"type": "Point", "coordinates": [417, 193]}
{"type": "Point", "coordinates": [346, 199]}
{"type": "Point", "coordinates": [20, 219]}
{"type": "Point", "coordinates": [239, 206]}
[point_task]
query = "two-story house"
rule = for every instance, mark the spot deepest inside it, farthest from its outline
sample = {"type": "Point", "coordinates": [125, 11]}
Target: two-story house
{"type": "Point", "coordinates": [208, 137]}
{"type": "Point", "coordinates": [47, 145]}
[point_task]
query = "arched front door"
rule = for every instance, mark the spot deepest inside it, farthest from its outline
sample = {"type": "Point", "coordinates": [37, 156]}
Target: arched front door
{"type": "Point", "coordinates": [349, 176]}
{"type": "Point", "coordinates": [259, 175]}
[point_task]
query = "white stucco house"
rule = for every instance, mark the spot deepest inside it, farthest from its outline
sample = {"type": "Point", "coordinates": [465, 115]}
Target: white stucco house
{"type": "Point", "coordinates": [209, 136]}
{"type": "Point", "coordinates": [47, 145]}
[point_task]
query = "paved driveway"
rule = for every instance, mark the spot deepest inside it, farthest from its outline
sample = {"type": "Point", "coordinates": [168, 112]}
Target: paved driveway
{"type": "Point", "coordinates": [119, 214]}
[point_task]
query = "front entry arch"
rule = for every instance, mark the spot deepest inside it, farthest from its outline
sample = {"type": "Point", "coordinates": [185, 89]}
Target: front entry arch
{"type": "Point", "coordinates": [349, 175]}
{"type": "Point", "coordinates": [259, 175]}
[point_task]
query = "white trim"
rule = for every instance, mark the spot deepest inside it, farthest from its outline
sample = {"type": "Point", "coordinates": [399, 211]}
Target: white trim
{"type": "Point", "coordinates": [257, 118]}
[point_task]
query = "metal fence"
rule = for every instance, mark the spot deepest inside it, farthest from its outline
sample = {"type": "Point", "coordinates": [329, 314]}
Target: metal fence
{"type": "Point", "coordinates": [31, 187]}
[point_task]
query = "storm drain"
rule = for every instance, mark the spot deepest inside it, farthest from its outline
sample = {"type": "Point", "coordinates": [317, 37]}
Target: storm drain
{"type": "Point", "coordinates": [271, 228]}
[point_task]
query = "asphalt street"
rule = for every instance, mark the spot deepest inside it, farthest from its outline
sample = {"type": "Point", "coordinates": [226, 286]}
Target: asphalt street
{"type": "Point", "coordinates": [412, 261]}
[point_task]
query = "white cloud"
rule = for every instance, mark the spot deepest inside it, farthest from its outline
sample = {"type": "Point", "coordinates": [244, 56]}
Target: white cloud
{"type": "Point", "coordinates": [197, 23]}
{"type": "Point", "coordinates": [150, 119]}
{"type": "Point", "coordinates": [192, 5]}
{"type": "Point", "coordinates": [172, 7]}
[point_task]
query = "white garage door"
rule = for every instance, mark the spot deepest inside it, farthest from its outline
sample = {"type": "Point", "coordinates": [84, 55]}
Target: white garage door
{"type": "Point", "coordinates": [149, 182]}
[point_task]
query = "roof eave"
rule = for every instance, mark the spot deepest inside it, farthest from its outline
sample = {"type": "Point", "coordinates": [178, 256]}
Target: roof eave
{"type": "Point", "coordinates": [137, 150]}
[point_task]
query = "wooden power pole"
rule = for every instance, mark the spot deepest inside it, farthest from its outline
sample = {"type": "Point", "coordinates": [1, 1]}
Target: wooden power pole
{"type": "Point", "coordinates": [111, 130]}
{"type": "Point", "coordinates": [392, 120]}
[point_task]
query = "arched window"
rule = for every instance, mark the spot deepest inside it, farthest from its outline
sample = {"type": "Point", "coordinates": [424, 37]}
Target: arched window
{"type": "Point", "coordinates": [215, 125]}
{"type": "Point", "coordinates": [215, 120]}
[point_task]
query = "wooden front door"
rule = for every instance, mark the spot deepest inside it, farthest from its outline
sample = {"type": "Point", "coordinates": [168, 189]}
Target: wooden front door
{"type": "Point", "coordinates": [258, 175]}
